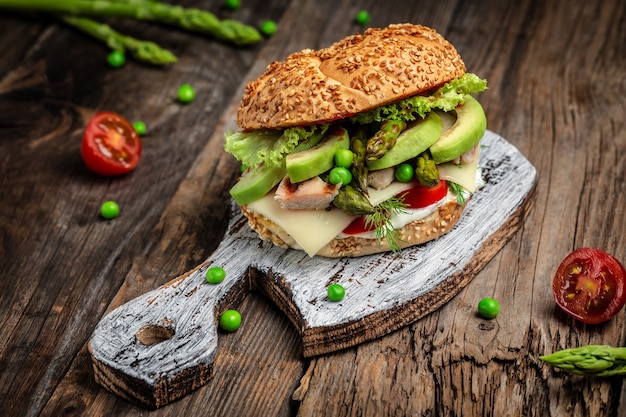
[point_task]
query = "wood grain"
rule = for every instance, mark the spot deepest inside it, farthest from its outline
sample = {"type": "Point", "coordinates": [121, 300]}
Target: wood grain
{"type": "Point", "coordinates": [556, 92]}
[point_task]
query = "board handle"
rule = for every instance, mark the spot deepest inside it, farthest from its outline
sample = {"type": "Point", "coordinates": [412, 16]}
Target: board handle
{"type": "Point", "coordinates": [161, 345]}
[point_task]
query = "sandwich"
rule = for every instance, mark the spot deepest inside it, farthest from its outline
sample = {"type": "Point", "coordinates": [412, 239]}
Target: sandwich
{"type": "Point", "coordinates": [367, 146]}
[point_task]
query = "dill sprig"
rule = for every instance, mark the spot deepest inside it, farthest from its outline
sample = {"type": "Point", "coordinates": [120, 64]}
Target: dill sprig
{"type": "Point", "coordinates": [380, 221]}
{"type": "Point", "coordinates": [459, 192]}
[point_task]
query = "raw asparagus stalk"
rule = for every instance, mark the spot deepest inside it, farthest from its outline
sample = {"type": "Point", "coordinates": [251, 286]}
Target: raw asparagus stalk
{"type": "Point", "coordinates": [359, 169]}
{"type": "Point", "coordinates": [189, 18]}
{"type": "Point", "coordinates": [144, 51]}
{"type": "Point", "coordinates": [384, 139]}
{"type": "Point", "coordinates": [593, 360]}
{"type": "Point", "coordinates": [426, 170]}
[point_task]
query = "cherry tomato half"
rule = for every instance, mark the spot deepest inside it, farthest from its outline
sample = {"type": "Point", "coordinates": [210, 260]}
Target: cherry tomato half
{"type": "Point", "coordinates": [416, 197]}
{"type": "Point", "coordinates": [590, 285]}
{"type": "Point", "coordinates": [111, 146]}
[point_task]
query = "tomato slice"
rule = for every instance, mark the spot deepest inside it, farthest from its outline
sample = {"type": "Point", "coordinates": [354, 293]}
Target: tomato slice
{"type": "Point", "coordinates": [111, 146]}
{"type": "Point", "coordinates": [416, 197]}
{"type": "Point", "coordinates": [358, 226]}
{"type": "Point", "coordinates": [420, 196]}
{"type": "Point", "coordinates": [590, 285]}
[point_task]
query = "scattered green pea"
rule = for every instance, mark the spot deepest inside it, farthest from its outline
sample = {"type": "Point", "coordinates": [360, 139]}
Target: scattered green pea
{"type": "Point", "coordinates": [140, 128]}
{"type": "Point", "coordinates": [488, 308]}
{"type": "Point", "coordinates": [343, 158]}
{"type": "Point", "coordinates": [335, 292]}
{"type": "Point", "coordinates": [268, 27]}
{"type": "Point", "coordinates": [215, 275]}
{"type": "Point", "coordinates": [362, 17]}
{"type": "Point", "coordinates": [340, 175]}
{"type": "Point", "coordinates": [404, 172]}
{"type": "Point", "coordinates": [186, 93]}
{"type": "Point", "coordinates": [230, 320]}
{"type": "Point", "coordinates": [109, 210]}
{"type": "Point", "coordinates": [232, 4]}
{"type": "Point", "coordinates": [116, 58]}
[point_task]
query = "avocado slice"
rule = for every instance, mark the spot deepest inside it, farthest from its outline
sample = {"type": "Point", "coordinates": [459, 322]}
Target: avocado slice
{"type": "Point", "coordinates": [412, 141]}
{"type": "Point", "coordinates": [464, 134]}
{"type": "Point", "coordinates": [254, 185]}
{"type": "Point", "coordinates": [318, 159]}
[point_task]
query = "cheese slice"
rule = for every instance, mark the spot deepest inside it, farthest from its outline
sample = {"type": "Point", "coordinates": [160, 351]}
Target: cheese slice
{"type": "Point", "coordinates": [378, 196]}
{"type": "Point", "coordinates": [462, 174]}
{"type": "Point", "coordinates": [313, 229]}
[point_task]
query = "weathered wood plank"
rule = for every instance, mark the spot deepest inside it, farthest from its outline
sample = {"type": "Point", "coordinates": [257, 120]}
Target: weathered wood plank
{"type": "Point", "coordinates": [556, 73]}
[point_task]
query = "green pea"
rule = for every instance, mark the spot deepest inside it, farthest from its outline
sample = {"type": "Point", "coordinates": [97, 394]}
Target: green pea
{"type": "Point", "coordinates": [109, 210]}
{"type": "Point", "coordinates": [232, 4]}
{"type": "Point", "coordinates": [404, 173]}
{"type": "Point", "coordinates": [488, 308]}
{"type": "Point", "coordinates": [268, 27]}
{"type": "Point", "coordinates": [116, 58]}
{"type": "Point", "coordinates": [362, 17]}
{"type": "Point", "coordinates": [215, 275]}
{"type": "Point", "coordinates": [186, 93]}
{"type": "Point", "coordinates": [343, 158]}
{"type": "Point", "coordinates": [140, 128]}
{"type": "Point", "coordinates": [230, 320]}
{"type": "Point", "coordinates": [335, 292]}
{"type": "Point", "coordinates": [340, 175]}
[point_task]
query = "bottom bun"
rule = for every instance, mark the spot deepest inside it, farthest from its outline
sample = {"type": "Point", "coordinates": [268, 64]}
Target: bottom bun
{"type": "Point", "coordinates": [417, 232]}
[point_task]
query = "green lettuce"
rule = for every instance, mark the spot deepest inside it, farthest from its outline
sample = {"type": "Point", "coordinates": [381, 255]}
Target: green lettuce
{"type": "Point", "coordinates": [269, 148]}
{"type": "Point", "coordinates": [446, 98]}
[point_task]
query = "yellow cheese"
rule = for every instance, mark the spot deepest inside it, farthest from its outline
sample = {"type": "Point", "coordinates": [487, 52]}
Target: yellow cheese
{"type": "Point", "coordinates": [313, 229]}
{"type": "Point", "coordinates": [378, 196]}
{"type": "Point", "coordinates": [462, 174]}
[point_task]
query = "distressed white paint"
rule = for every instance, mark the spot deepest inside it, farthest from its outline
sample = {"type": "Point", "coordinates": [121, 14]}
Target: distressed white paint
{"type": "Point", "coordinates": [374, 284]}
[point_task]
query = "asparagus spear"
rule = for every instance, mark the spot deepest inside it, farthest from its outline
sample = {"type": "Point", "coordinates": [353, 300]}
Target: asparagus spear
{"type": "Point", "coordinates": [359, 169]}
{"type": "Point", "coordinates": [426, 170]}
{"type": "Point", "coordinates": [189, 18]}
{"type": "Point", "coordinates": [384, 139]}
{"type": "Point", "coordinates": [145, 51]}
{"type": "Point", "coordinates": [593, 360]}
{"type": "Point", "coordinates": [353, 201]}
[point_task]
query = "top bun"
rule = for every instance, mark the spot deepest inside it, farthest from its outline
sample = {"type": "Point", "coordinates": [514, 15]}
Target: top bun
{"type": "Point", "coordinates": [356, 74]}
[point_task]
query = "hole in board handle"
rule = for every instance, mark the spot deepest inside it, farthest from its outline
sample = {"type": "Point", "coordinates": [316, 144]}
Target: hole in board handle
{"type": "Point", "coordinates": [152, 334]}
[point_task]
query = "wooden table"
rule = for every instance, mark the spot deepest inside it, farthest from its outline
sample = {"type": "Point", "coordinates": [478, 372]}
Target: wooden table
{"type": "Point", "coordinates": [556, 76]}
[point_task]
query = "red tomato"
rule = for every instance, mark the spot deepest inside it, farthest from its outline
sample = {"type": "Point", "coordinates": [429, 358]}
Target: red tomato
{"type": "Point", "coordinates": [416, 197]}
{"type": "Point", "coordinates": [590, 285]}
{"type": "Point", "coordinates": [420, 196]}
{"type": "Point", "coordinates": [111, 146]}
{"type": "Point", "coordinates": [358, 226]}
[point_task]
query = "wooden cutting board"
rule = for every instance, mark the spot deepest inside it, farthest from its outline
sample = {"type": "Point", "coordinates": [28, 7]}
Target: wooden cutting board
{"type": "Point", "coordinates": [161, 346]}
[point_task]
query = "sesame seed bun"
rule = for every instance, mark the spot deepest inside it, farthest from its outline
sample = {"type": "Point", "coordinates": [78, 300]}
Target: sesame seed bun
{"type": "Point", "coordinates": [417, 232]}
{"type": "Point", "coordinates": [356, 74]}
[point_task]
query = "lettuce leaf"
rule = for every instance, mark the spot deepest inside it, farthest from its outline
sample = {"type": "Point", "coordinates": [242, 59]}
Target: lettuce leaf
{"type": "Point", "coordinates": [446, 98]}
{"type": "Point", "coordinates": [269, 148]}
